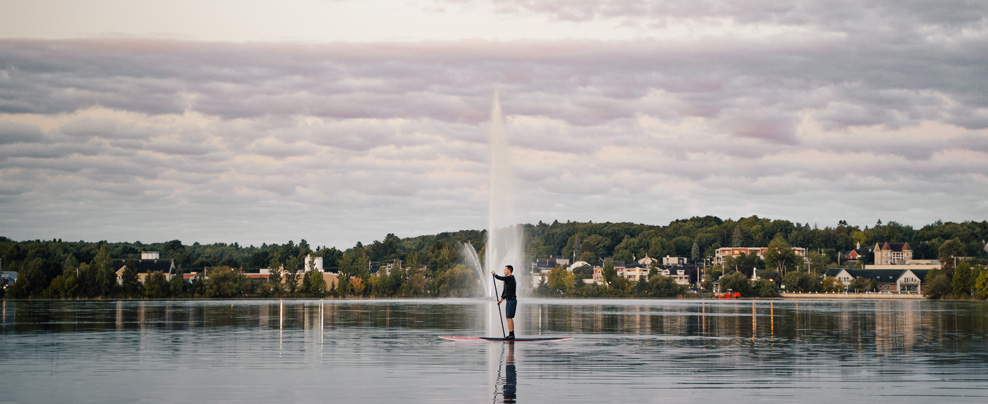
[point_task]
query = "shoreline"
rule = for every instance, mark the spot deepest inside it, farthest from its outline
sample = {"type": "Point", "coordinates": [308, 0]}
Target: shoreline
{"type": "Point", "coordinates": [855, 296]}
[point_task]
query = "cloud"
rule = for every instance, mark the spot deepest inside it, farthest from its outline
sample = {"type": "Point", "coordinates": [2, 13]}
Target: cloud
{"type": "Point", "coordinates": [812, 111]}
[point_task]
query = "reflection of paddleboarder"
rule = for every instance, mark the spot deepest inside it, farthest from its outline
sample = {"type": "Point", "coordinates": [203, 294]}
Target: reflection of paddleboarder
{"type": "Point", "coordinates": [508, 294]}
{"type": "Point", "coordinates": [510, 386]}
{"type": "Point", "coordinates": [506, 383]}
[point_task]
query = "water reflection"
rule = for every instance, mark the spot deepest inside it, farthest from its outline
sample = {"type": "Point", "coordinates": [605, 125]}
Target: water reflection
{"type": "Point", "coordinates": [387, 351]}
{"type": "Point", "coordinates": [507, 377]}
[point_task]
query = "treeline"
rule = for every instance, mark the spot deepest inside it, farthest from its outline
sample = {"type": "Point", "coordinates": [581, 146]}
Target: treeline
{"type": "Point", "coordinates": [83, 266]}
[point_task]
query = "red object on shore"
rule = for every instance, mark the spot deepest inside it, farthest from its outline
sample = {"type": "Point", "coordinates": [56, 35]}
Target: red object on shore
{"type": "Point", "coordinates": [735, 295]}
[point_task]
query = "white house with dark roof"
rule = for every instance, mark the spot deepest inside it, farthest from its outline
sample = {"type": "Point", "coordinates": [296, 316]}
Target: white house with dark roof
{"type": "Point", "coordinates": [887, 280]}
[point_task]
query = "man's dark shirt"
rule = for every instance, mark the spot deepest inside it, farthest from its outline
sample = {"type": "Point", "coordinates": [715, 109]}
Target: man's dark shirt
{"type": "Point", "coordinates": [509, 287]}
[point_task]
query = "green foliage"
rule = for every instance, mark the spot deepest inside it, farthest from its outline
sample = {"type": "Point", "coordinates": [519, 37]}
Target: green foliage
{"type": "Point", "coordinates": [981, 284]}
{"type": "Point", "coordinates": [226, 282]}
{"type": "Point", "coordinates": [736, 282]}
{"type": "Point", "coordinates": [85, 271]}
{"type": "Point", "coordinates": [962, 283]}
{"type": "Point", "coordinates": [800, 282]}
{"type": "Point", "coordinates": [314, 284]}
{"type": "Point", "coordinates": [177, 287]}
{"type": "Point", "coordinates": [610, 274]}
{"type": "Point", "coordinates": [939, 286]}
{"type": "Point", "coordinates": [131, 287]}
{"type": "Point", "coordinates": [293, 273]}
{"type": "Point", "coordinates": [561, 281]}
{"type": "Point", "coordinates": [766, 288]}
{"type": "Point", "coordinates": [780, 256]}
{"type": "Point", "coordinates": [831, 285]}
{"type": "Point", "coordinates": [947, 251]}
{"type": "Point", "coordinates": [861, 285]}
{"type": "Point", "coordinates": [458, 281]}
{"type": "Point", "coordinates": [156, 286]}
{"type": "Point", "coordinates": [663, 286]}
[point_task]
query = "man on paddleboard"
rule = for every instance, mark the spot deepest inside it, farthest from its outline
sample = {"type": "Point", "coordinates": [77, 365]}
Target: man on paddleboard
{"type": "Point", "coordinates": [508, 294]}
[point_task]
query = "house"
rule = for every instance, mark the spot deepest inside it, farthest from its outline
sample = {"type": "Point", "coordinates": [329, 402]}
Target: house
{"type": "Point", "coordinates": [578, 264]}
{"type": "Point", "coordinates": [679, 274]}
{"type": "Point", "coordinates": [851, 256]}
{"type": "Point", "coordinates": [891, 256]}
{"type": "Point", "coordinates": [542, 266]}
{"type": "Point", "coordinates": [887, 280]}
{"type": "Point", "coordinates": [892, 253]}
{"type": "Point", "coordinates": [633, 272]}
{"type": "Point", "coordinates": [598, 275]}
{"type": "Point", "coordinates": [149, 263]}
{"type": "Point", "coordinates": [722, 253]}
{"type": "Point", "coordinates": [7, 278]}
{"type": "Point", "coordinates": [673, 261]}
{"type": "Point", "coordinates": [648, 261]}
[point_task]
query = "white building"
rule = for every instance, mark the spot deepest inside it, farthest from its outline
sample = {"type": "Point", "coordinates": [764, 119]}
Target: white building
{"type": "Point", "coordinates": [723, 253]}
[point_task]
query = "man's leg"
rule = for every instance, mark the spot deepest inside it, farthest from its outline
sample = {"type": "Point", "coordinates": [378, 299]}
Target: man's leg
{"type": "Point", "coordinates": [510, 314]}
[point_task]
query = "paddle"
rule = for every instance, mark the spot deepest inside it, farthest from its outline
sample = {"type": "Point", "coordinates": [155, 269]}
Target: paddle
{"type": "Point", "coordinates": [498, 307]}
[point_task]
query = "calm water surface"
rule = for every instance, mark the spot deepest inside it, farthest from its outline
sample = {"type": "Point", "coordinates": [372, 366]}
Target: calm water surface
{"type": "Point", "coordinates": [387, 351]}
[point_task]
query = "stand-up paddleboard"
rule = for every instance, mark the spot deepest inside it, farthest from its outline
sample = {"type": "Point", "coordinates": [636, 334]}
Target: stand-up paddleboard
{"type": "Point", "coordinates": [501, 339]}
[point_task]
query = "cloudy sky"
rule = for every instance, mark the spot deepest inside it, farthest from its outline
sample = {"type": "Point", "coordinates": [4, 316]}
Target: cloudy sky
{"type": "Point", "coordinates": [341, 121]}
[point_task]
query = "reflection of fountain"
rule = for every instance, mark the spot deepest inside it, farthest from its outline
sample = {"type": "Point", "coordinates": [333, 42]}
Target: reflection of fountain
{"type": "Point", "coordinates": [504, 235]}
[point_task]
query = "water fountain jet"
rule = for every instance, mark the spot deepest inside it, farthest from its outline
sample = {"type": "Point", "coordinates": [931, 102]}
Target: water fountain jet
{"type": "Point", "coordinates": [505, 244]}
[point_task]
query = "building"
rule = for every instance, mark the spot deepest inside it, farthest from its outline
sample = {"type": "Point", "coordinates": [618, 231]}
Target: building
{"type": "Point", "coordinates": [892, 253]}
{"type": "Point", "coordinates": [648, 261]}
{"type": "Point", "coordinates": [673, 261]}
{"type": "Point", "coordinates": [680, 274]}
{"type": "Point", "coordinates": [149, 263]}
{"type": "Point", "coordinates": [632, 272]}
{"type": "Point", "coordinates": [887, 280]}
{"type": "Point", "coordinates": [312, 261]}
{"type": "Point", "coordinates": [7, 278]}
{"type": "Point", "coordinates": [722, 253]}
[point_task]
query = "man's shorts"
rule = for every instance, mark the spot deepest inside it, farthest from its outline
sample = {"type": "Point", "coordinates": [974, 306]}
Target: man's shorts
{"type": "Point", "coordinates": [509, 308]}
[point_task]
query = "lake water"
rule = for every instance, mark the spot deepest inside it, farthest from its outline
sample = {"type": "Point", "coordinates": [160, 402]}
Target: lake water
{"type": "Point", "coordinates": [387, 351]}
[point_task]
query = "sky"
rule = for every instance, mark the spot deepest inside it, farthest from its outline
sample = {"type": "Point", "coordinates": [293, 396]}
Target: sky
{"type": "Point", "coordinates": [340, 121]}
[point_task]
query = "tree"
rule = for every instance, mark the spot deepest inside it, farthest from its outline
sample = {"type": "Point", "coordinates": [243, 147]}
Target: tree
{"type": "Point", "coordinates": [949, 250]}
{"type": "Point", "coordinates": [275, 282]}
{"type": "Point", "coordinates": [736, 282]}
{"type": "Point", "coordinates": [831, 284]}
{"type": "Point", "coordinates": [561, 281]}
{"type": "Point", "coordinates": [106, 277]}
{"type": "Point", "coordinates": [737, 239]}
{"type": "Point", "coordinates": [177, 286]}
{"type": "Point", "coordinates": [130, 284]}
{"type": "Point", "coordinates": [695, 253]}
{"type": "Point", "coordinates": [939, 285]}
{"type": "Point", "coordinates": [663, 286]}
{"type": "Point", "coordinates": [314, 284]}
{"type": "Point", "coordinates": [859, 285]}
{"type": "Point", "coordinates": [766, 288]}
{"type": "Point", "coordinates": [226, 282]}
{"type": "Point", "coordinates": [780, 256]}
{"type": "Point", "coordinates": [293, 274]}
{"type": "Point", "coordinates": [962, 283]}
{"type": "Point", "coordinates": [416, 283]}
{"type": "Point", "coordinates": [800, 282]}
{"type": "Point", "coordinates": [342, 286]}
{"type": "Point", "coordinates": [610, 274]}
{"type": "Point", "coordinates": [358, 286]}
{"type": "Point", "coordinates": [156, 285]}
{"type": "Point", "coordinates": [981, 284]}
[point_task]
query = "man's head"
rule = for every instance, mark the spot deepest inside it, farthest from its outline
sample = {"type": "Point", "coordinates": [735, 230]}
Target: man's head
{"type": "Point", "coordinates": [508, 269]}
